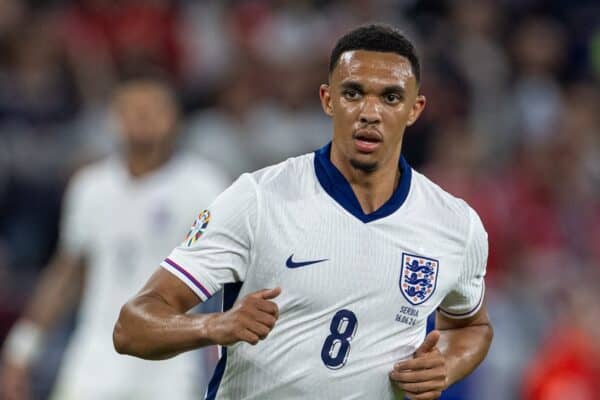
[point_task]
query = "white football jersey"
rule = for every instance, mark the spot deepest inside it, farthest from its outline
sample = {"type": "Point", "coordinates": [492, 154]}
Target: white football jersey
{"type": "Point", "coordinates": [122, 227]}
{"type": "Point", "coordinates": [356, 288]}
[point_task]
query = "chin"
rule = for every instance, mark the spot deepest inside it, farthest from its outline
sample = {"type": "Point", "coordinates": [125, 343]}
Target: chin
{"type": "Point", "coordinates": [364, 166]}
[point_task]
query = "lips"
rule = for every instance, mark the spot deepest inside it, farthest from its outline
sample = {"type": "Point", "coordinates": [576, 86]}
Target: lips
{"type": "Point", "coordinates": [367, 141]}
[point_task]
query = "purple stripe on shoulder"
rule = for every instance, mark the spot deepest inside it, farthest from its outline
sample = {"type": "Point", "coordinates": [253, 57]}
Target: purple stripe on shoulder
{"type": "Point", "coordinates": [188, 275]}
{"type": "Point", "coordinates": [468, 312]}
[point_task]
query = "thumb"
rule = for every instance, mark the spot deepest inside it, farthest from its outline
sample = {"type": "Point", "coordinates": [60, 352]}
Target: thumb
{"type": "Point", "coordinates": [268, 294]}
{"type": "Point", "coordinates": [431, 340]}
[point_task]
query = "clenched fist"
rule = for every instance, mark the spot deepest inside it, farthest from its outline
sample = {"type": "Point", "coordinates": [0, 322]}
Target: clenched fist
{"type": "Point", "coordinates": [249, 320]}
{"type": "Point", "coordinates": [423, 377]}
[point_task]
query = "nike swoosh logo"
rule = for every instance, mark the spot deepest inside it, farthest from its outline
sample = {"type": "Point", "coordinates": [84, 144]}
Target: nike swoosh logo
{"type": "Point", "coordinates": [292, 264]}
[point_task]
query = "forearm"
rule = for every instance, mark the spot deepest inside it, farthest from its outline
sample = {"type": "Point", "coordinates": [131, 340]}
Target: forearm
{"type": "Point", "coordinates": [464, 349]}
{"type": "Point", "coordinates": [150, 328]}
{"type": "Point", "coordinates": [154, 324]}
{"type": "Point", "coordinates": [57, 291]}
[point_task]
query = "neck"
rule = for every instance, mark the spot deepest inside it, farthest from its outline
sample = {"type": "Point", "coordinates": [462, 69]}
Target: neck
{"type": "Point", "coordinates": [141, 162]}
{"type": "Point", "coordinates": [372, 189]}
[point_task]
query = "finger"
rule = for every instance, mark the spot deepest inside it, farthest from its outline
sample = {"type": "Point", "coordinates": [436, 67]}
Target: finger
{"type": "Point", "coordinates": [431, 340]}
{"type": "Point", "coordinates": [431, 360]}
{"type": "Point", "coordinates": [269, 307]}
{"type": "Point", "coordinates": [260, 294]}
{"type": "Point", "coordinates": [268, 294]}
{"type": "Point", "coordinates": [434, 374]}
{"type": "Point", "coordinates": [249, 337]}
{"type": "Point", "coordinates": [260, 310]}
{"type": "Point", "coordinates": [423, 396]}
{"type": "Point", "coordinates": [423, 387]}
{"type": "Point", "coordinates": [266, 319]}
{"type": "Point", "coordinates": [259, 329]}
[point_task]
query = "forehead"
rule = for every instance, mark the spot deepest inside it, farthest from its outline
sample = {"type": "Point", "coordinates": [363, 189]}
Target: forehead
{"type": "Point", "coordinates": [142, 94]}
{"type": "Point", "coordinates": [374, 66]}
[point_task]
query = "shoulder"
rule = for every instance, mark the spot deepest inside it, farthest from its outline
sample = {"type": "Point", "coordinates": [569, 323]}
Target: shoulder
{"type": "Point", "coordinates": [289, 176]}
{"type": "Point", "coordinates": [437, 198]}
{"type": "Point", "coordinates": [443, 207]}
{"type": "Point", "coordinates": [89, 184]}
{"type": "Point", "coordinates": [95, 176]}
{"type": "Point", "coordinates": [199, 169]}
{"type": "Point", "coordinates": [191, 178]}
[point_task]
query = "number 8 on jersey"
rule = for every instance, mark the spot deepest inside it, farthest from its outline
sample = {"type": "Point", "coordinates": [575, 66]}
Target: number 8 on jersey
{"type": "Point", "coordinates": [337, 345]}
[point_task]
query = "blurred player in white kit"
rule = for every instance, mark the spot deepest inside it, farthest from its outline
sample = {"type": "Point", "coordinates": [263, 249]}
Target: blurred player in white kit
{"type": "Point", "coordinates": [120, 216]}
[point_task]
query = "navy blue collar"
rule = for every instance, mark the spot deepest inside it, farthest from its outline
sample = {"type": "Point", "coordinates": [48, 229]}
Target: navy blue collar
{"type": "Point", "coordinates": [336, 185]}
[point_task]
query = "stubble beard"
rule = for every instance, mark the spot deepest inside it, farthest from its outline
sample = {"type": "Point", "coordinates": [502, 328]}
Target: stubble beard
{"type": "Point", "coordinates": [367, 167]}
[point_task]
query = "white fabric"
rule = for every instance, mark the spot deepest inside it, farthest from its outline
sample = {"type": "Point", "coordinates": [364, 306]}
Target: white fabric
{"type": "Point", "coordinates": [23, 344]}
{"type": "Point", "coordinates": [282, 211]}
{"type": "Point", "coordinates": [123, 226]}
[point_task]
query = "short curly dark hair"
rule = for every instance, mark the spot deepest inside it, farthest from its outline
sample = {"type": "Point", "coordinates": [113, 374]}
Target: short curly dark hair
{"type": "Point", "coordinates": [376, 37]}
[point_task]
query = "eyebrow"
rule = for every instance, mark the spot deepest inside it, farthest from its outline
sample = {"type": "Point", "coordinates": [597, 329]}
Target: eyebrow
{"type": "Point", "coordinates": [394, 89]}
{"type": "Point", "coordinates": [352, 85]}
{"type": "Point", "coordinates": [386, 90]}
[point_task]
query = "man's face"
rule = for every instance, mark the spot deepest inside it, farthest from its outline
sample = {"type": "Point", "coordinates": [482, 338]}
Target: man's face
{"type": "Point", "coordinates": [146, 113]}
{"type": "Point", "coordinates": [372, 97]}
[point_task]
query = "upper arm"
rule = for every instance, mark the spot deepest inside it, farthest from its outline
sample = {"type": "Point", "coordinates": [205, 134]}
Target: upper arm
{"type": "Point", "coordinates": [480, 318]}
{"type": "Point", "coordinates": [465, 299]}
{"type": "Point", "coordinates": [170, 290]}
{"type": "Point", "coordinates": [79, 208]}
{"type": "Point", "coordinates": [218, 247]}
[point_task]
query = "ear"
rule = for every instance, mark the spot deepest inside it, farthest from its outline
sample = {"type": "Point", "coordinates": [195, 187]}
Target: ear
{"type": "Point", "coordinates": [325, 96]}
{"type": "Point", "coordinates": [416, 109]}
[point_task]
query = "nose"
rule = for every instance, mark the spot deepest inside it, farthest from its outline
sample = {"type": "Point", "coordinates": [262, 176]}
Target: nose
{"type": "Point", "coordinates": [370, 112]}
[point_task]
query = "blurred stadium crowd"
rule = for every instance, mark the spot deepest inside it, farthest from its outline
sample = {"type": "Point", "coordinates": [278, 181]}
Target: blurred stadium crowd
{"type": "Point", "coordinates": [512, 125]}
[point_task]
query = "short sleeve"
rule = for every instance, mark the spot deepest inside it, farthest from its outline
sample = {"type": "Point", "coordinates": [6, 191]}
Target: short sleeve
{"type": "Point", "coordinates": [74, 225]}
{"type": "Point", "coordinates": [466, 297]}
{"type": "Point", "coordinates": [217, 249]}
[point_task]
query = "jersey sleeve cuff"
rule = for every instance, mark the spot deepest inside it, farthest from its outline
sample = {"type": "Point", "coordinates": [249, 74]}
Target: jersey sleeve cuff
{"type": "Point", "coordinates": [180, 272]}
{"type": "Point", "coordinates": [467, 314]}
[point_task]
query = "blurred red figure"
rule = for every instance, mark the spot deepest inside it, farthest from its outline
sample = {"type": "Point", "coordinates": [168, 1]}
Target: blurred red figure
{"type": "Point", "coordinates": [567, 366]}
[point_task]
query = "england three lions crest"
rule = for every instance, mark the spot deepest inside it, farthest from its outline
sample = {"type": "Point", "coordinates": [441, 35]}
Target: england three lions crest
{"type": "Point", "coordinates": [418, 278]}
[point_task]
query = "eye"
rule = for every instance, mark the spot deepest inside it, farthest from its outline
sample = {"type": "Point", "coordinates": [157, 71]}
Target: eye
{"type": "Point", "coordinates": [350, 94]}
{"type": "Point", "coordinates": [392, 98]}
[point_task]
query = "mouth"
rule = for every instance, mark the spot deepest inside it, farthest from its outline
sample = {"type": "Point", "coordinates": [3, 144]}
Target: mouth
{"type": "Point", "coordinates": [367, 141]}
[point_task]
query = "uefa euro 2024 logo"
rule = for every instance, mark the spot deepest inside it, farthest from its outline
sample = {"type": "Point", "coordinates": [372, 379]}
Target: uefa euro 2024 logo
{"type": "Point", "coordinates": [197, 228]}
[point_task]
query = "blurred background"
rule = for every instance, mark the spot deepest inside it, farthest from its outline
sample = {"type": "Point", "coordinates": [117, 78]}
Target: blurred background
{"type": "Point", "coordinates": [512, 125]}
